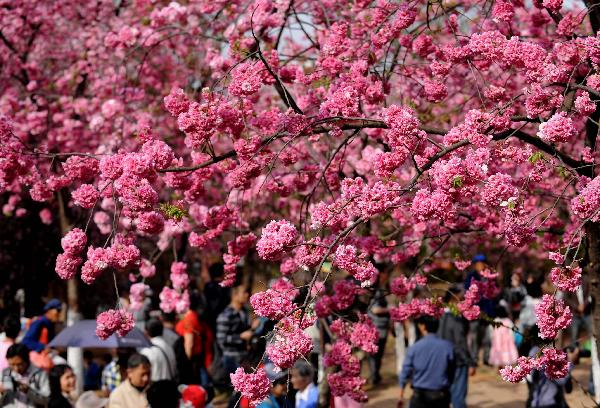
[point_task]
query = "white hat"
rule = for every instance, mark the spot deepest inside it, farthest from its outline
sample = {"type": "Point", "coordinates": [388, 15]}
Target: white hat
{"type": "Point", "coordinates": [90, 399]}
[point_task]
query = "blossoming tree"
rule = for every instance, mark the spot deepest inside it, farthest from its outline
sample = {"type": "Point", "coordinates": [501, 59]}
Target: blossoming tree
{"type": "Point", "coordinates": [307, 132]}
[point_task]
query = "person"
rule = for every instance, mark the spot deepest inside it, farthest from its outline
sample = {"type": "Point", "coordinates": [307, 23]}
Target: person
{"type": "Point", "coordinates": [198, 344]}
{"type": "Point", "coordinates": [580, 303]}
{"type": "Point", "coordinates": [430, 365]}
{"type": "Point", "coordinates": [233, 330]}
{"type": "Point", "coordinates": [547, 393]}
{"type": "Point", "coordinates": [91, 372]}
{"type": "Point", "coordinates": [307, 395]}
{"type": "Point", "coordinates": [41, 330]}
{"type": "Point", "coordinates": [12, 327]}
{"type": "Point", "coordinates": [131, 393]}
{"type": "Point", "coordinates": [23, 384]}
{"type": "Point", "coordinates": [380, 315]}
{"type": "Point", "coordinates": [216, 296]}
{"type": "Point", "coordinates": [278, 390]}
{"type": "Point", "coordinates": [169, 334]}
{"type": "Point", "coordinates": [161, 355]}
{"type": "Point", "coordinates": [515, 295]}
{"type": "Point", "coordinates": [115, 371]}
{"type": "Point", "coordinates": [163, 394]}
{"type": "Point", "coordinates": [504, 350]}
{"type": "Point", "coordinates": [91, 399]}
{"type": "Point", "coordinates": [62, 386]}
{"type": "Point", "coordinates": [480, 329]}
{"type": "Point", "coordinates": [455, 329]}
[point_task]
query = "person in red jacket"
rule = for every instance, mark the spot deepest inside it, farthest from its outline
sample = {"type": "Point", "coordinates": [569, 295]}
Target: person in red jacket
{"type": "Point", "coordinates": [198, 343]}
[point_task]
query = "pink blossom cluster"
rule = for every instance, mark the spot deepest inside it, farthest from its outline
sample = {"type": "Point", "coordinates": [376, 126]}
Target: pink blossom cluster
{"type": "Point", "coordinates": [81, 168]}
{"type": "Point", "coordinates": [566, 278]}
{"type": "Point", "coordinates": [344, 293]}
{"type": "Point", "coordinates": [468, 307]}
{"type": "Point", "coordinates": [559, 128]}
{"type": "Point", "coordinates": [362, 270]}
{"type": "Point", "coordinates": [150, 222]}
{"type": "Point", "coordinates": [552, 315]}
{"type": "Point", "coordinates": [73, 244]}
{"type": "Point", "coordinates": [364, 335]}
{"type": "Point", "coordinates": [122, 255]}
{"type": "Point", "coordinates": [114, 321]}
{"type": "Point", "coordinates": [137, 293]}
{"type": "Point", "coordinates": [402, 285]}
{"type": "Point", "coordinates": [276, 238]}
{"type": "Point", "coordinates": [236, 249]}
{"type": "Point", "coordinates": [287, 346]}
{"type": "Point", "coordinates": [174, 300]}
{"type": "Point", "coordinates": [147, 269]}
{"type": "Point", "coordinates": [179, 277]}
{"type": "Point", "coordinates": [433, 204]}
{"type": "Point", "coordinates": [271, 304]}
{"type": "Point", "coordinates": [403, 132]}
{"type": "Point", "coordinates": [85, 196]}
{"type": "Point", "coordinates": [347, 380]}
{"type": "Point", "coordinates": [254, 386]}
{"type": "Point", "coordinates": [417, 307]}
{"type": "Point", "coordinates": [553, 362]}
{"type": "Point", "coordinates": [587, 203]}
{"type": "Point", "coordinates": [498, 189]}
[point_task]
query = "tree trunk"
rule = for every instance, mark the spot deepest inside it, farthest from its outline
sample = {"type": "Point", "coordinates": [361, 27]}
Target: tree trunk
{"type": "Point", "coordinates": [74, 354]}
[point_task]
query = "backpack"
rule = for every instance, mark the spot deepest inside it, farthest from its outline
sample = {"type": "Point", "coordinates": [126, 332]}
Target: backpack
{"type": "Point", "coordinates": [216, 370]}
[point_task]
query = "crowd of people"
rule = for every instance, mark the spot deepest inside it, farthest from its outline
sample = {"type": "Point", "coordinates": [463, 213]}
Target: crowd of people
{"type": "Point", "coordinates": [193, 354]}
{"type": "Point", "coordinates": [189, 361]}
{"type": "Point", "coordinates": [444, 352]}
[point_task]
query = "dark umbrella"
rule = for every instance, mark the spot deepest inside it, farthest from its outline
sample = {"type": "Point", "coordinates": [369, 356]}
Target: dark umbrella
{"type": "Point", "coordinates": [83, 334]}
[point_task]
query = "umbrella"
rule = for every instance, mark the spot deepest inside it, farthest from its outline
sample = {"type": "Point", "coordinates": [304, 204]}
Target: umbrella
{"type": "Point", "coordinates": [83, 334]}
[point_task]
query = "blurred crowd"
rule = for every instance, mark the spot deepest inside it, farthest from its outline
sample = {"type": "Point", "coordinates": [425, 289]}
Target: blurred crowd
{"type": "Point", "coordinates": [190, 356]}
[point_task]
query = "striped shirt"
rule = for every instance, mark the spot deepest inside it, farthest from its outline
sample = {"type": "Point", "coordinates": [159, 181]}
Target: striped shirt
{"type": "Point", "coordinates": [230, 324]}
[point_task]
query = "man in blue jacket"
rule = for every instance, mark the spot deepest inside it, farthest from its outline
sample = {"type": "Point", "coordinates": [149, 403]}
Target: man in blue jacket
{"type": "Point", "coordinates": [41, 330]}
{"type": "Point", "coordinates": [430, 365]}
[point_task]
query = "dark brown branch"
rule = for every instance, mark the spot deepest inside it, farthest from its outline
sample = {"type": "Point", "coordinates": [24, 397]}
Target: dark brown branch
{"type": "Point", "coordinates": [543, 146]}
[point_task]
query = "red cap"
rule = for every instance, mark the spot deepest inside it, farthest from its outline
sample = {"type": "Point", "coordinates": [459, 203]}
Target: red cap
{"type": "Point", "coordinates": [194, 396]}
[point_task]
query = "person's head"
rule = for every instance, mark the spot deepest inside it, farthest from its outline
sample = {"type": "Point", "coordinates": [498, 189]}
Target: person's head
{"type": "Point", "coordinates": [17, 356]}
{"type": "Point", "coordinates": [479, 262]}
{"type": "Point", "coordinates": [427, 324]}
{"type": "Point", "coordinates": [62, 379]}
{"type": "Point", "coordinates": [302, 375]}
{"type": "Point", "coordinates": [240, 295]}
{"type": "Point", "coordinates": [88, 355]}
{"type": "Point", "coordinates": [138, 370]}
{"type": "Point", "coordinates": [163, 394]}
{"type": "Point", "coordinates": [278, 380]}
{"type": "Point", "coordinates": [12, 327]}
{"type": "Point", "coordinates": [169, 319]}
{"type": "Point", "coordinates": [453, 294]}
{"type": "Point", "coordinates": [216, 272]}
{"type": "Point", "coordinates": [501, 311]}
{"type": "Point", "coordinates": [154, 328]}
{"type": "Point", "coordinates": [52, 310]}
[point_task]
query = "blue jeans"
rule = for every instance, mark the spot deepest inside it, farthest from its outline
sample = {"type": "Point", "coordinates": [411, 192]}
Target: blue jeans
{"type": "Point", "coordinates": [458, 388]}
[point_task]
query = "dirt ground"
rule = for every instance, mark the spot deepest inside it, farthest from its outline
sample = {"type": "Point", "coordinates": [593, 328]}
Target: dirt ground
{"type": "Point", "coordinates": [486, 388]}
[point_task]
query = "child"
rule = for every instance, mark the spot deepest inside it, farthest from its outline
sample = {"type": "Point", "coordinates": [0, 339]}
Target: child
{"type": "Point", "coordinates": [503, 351]}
